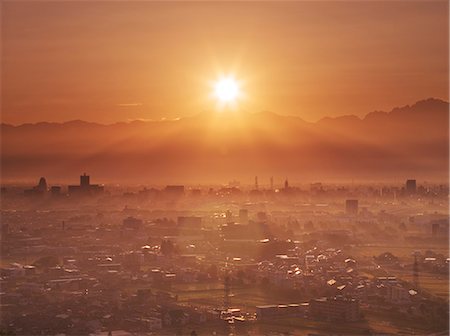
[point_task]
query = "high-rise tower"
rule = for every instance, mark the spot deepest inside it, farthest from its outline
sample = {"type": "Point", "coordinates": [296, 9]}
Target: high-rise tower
{"type": "Point", "coordinates": [42, 186]}
{"type": "Point", "coordinates": [84, 181]}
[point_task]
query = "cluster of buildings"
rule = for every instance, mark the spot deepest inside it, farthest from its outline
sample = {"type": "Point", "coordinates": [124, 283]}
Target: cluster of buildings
{"type": "Point", "coordinates": [124, 261]}
{"type": "Point", "coordinates": [85, 188]}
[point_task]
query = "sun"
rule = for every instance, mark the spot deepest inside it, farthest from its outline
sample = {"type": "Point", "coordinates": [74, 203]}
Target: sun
{"type": "Point", "coordinates": [226, 90]}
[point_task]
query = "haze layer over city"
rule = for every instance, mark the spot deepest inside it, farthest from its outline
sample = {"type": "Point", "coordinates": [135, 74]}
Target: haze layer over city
{"type": "Point", "coordinates": [224, 168]}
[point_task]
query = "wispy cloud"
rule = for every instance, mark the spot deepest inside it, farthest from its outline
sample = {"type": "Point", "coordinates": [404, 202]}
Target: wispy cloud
{"type": "Point", "coordinates": [129, 104]}
{"type": "Point", "coordinates": [139, 119]}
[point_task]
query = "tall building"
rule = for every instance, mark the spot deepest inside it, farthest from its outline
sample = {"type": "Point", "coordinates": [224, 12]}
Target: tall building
{"type": "Point", "coordinates": [40, 189]}
{"type": "Point", "coordinates": [85, 187]}
{"type": "Point", "coordinates": [174, 191]}
{"type": "Point", "coordinates": [411, 187]}
{"type": "Point", "coordinates": [85, 181]}
{"type": "Point", "coordinates": [351, 207]}
{"type": "Point", "coordinates": [42, 186]}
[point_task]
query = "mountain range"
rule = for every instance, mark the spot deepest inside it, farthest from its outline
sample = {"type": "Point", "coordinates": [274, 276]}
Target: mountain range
{"type": "Point", "coordinates": [408, 142]}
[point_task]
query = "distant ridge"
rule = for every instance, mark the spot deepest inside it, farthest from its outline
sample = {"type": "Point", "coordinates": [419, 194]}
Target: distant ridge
{"type": "Point", "coordinates": [409, 141]}
{"type": "Point", "coordinates": [429, 103]}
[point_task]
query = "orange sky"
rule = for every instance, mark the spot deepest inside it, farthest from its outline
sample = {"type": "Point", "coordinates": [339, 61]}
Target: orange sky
{"type": "Point", "coordinates": [116, 61]}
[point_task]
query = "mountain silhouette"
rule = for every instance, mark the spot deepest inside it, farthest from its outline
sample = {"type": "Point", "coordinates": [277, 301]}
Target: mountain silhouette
{"type": "Point", "coordinates": [410, 141]}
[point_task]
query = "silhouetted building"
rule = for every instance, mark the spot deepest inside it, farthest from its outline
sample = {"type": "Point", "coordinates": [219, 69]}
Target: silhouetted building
{"type": "Point", "coordinates": [440, 228]}
{"type": "Point", "coordinates": [335, 309]}
{"type": "Point", "coordinates": [174, 191]}
{"type": "Point", "coordinates": [84, 181]}
{"type": "Point", "coordinates": [42, 186]}
{"type": "Point", "coordinates": [85, 188]}
{"type": "Point", "coordinates": [411, 187]}
{"type": "Point", "coordinates": [40, 189]}
{"type": "Point", "coordinates": [351, 207]}
{"type": "Point", "coordinates": [55, 190]}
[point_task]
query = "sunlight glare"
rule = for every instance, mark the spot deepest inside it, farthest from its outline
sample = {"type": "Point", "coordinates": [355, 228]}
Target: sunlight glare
{"type": "Point", "coordinates": [226, 90]}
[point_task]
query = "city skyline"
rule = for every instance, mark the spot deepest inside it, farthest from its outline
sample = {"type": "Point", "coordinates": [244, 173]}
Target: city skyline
{"type": "Point", "coordinates": [228, 168]}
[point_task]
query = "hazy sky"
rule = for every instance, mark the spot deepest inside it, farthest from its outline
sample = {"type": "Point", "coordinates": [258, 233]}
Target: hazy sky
{"type": "Point", "coordinates": [115, 61]}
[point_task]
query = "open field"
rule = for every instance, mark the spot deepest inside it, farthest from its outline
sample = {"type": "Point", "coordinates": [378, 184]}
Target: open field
{"type": "Point", "coordinates": [303, 327]}
{"type": "Point", "coordinates": [404, 251]}
{"type": "Point", "coordinates": [435, 284]}
{"type": "Point", "coordinates": [391, 322]}
{"type": "Point", "coordinates": [245, 297]}
{"type": "Point", "coordinates": [379, 324]}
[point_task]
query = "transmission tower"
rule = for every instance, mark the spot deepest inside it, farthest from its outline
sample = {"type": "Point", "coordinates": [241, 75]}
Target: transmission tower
{"type": "Point", "coordinates": [226, 290]}
{"type": "Point", "coordinates": [416, 271]}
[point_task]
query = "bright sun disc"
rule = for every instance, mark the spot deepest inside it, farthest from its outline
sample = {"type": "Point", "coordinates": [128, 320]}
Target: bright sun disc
{"type": "Point", "coordinates": [226, 90]}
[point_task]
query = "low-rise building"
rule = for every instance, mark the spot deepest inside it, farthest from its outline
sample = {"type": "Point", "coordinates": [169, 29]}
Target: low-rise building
{"type": "Point", "coordinates": [334, 309]}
